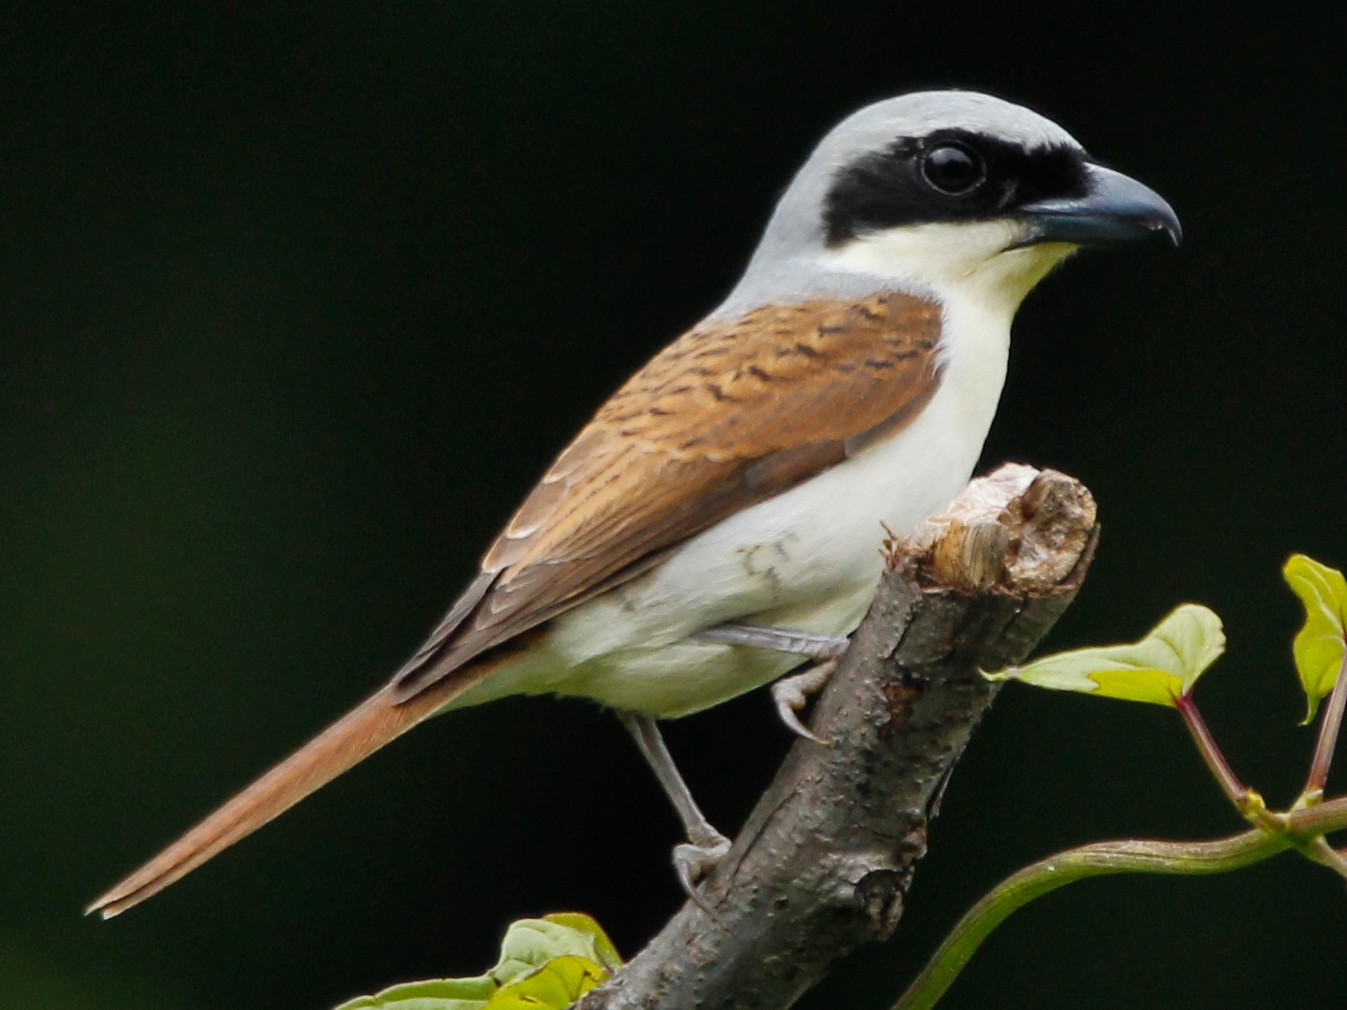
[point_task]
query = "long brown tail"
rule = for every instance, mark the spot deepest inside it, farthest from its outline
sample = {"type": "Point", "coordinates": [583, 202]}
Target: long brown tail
{"type": "Point", "coordinates": [372, 724]}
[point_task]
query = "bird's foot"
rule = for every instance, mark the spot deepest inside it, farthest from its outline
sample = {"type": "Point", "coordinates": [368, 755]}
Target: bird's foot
{"type": "Point", "coordinates": [792, 694]}
{"type": "Point", "coordinates": [693, 862]}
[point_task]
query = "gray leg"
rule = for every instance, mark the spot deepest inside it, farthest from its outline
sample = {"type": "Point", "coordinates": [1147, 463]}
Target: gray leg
{"type": "Point", "coordinates": [797, 643]}
{"type": "Point", "coordinates": [705, 846]}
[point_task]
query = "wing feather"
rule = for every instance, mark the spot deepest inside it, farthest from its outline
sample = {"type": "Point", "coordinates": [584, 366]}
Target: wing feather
{"type": "Point", "coordinates": [728, 415]}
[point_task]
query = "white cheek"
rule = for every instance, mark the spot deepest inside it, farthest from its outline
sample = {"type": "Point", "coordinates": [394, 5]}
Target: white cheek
{"type": "Point", "coordinates": [962, 261]}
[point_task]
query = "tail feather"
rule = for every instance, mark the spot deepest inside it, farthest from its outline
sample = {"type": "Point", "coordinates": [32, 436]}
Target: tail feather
{"type": "Point", "coordinates": [372, 724]}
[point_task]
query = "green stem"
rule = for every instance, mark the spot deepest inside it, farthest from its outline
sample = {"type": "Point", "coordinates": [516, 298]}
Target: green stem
{"type": "Point", "coordinates": [1211, 753]}
{"type": "Point", "coordinates": [1036, 880]}
{"type": "Point", "coordinates": [1328, 736]}
{"type": "Point", "coordinates": [1321, 852]}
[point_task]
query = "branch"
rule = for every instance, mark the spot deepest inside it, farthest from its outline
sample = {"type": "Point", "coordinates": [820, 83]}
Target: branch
{"type": "Point", "coordinates": [825, 860]}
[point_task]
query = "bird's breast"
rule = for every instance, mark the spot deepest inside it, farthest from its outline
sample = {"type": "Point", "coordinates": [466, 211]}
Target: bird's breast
{"type": "Point", "coordinates": [808, 559]}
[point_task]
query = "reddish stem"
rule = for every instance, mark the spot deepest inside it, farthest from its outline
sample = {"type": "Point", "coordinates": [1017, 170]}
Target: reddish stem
{"type": "Point", "coordinates": [1328, 735]}
{"type": "Point", "coordinates": [1206, 745]}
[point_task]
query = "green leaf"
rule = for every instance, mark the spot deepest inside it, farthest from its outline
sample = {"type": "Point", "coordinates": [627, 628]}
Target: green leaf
{"type": "Point", "coordinates": [545, 964]}
{"type": "Point", "coordinates": [1319, 647]}
{"type": "Point", "coordinates": [602, 949]}
{"type": "Point", "coordinates": [531, 943]}
{"type": "Point", "coordinates": [1158, 669]}
{"type": "Point", "coordinates": [554, 986]}
{"type": "Point", "coordinates": [433, 994]}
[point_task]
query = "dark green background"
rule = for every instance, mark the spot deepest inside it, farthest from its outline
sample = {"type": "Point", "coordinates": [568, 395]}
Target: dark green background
{"type": "Point", "coordinates": [296, 305]}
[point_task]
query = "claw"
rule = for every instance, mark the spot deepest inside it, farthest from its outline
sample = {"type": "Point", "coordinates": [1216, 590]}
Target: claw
{"type": "Point", "coordinates": [693, 863]}
{"type": "Point", "coordinates": [792, 693]}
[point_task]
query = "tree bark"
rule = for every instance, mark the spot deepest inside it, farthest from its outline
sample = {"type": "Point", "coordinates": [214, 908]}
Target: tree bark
{"type": "Point", "coordinates": [824, 861]}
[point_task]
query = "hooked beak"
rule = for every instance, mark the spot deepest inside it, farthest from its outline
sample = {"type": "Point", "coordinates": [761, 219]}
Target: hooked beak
{"type": "Point", "coordinates": [1116, 210]}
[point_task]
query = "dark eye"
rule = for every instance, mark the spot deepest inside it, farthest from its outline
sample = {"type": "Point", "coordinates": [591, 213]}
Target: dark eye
{"type": "Point", "coordinates": [953, 169]}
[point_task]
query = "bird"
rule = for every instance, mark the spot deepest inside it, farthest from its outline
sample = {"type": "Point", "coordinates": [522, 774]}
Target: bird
{"type": "Point", "coordinates": [717, 524]}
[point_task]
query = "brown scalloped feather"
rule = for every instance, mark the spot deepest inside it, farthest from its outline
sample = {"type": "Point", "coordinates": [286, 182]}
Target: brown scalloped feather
{"type": "Point", "coordinates": [728, 415]}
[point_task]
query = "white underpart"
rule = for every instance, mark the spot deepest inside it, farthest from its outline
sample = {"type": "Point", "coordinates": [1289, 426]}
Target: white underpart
{"type": "Point", "coordinates": [809, 558]}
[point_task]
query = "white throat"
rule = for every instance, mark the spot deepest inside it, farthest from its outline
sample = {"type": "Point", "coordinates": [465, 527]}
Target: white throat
{"type": "Point", "coordinates": [978, 279]}
{"type": "Point", "coordinates": [969, 261]}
